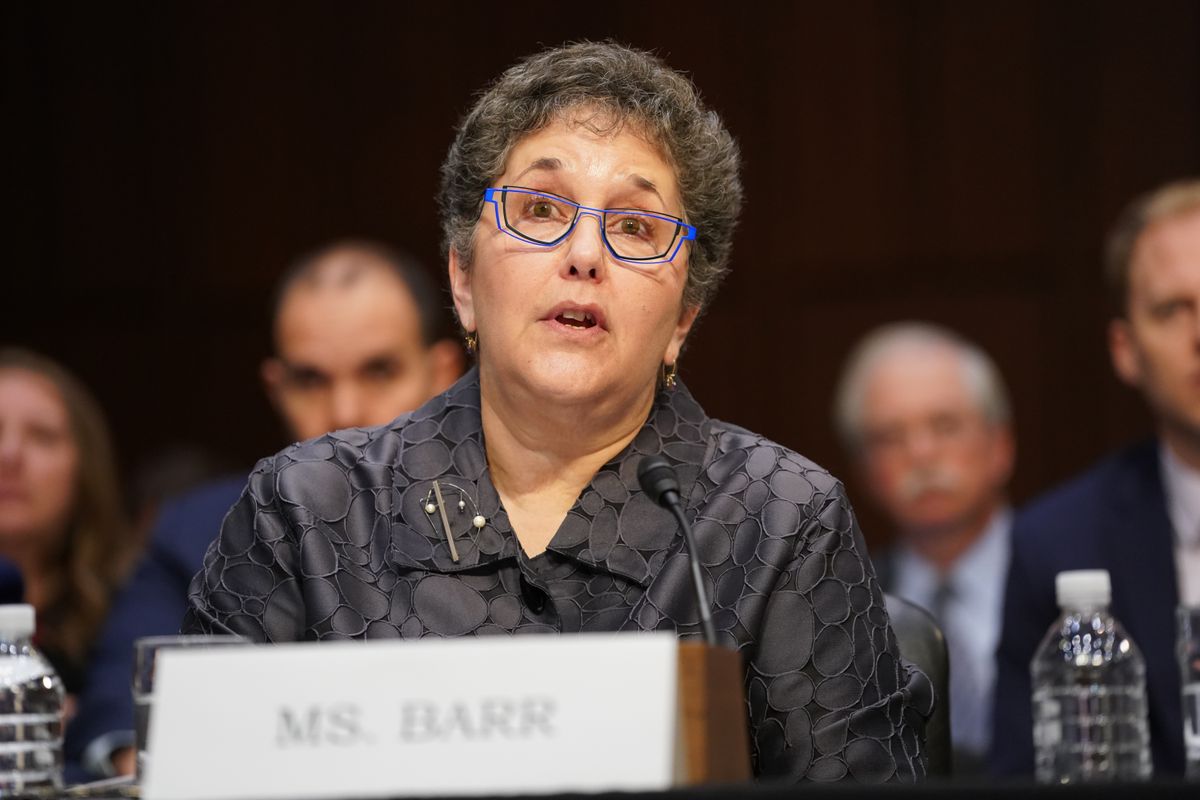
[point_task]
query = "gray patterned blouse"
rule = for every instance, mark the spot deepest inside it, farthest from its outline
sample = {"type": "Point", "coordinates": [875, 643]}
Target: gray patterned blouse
{"type": "Point", "coordinates": [343, 537]}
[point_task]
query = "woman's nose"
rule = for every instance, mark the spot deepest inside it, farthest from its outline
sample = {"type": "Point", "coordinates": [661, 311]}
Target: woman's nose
{"type": "Point", "coordinates": [585, 255]}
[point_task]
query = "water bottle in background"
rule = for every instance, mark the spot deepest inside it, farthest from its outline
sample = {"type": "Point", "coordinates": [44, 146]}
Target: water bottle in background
{"type": "Point", "coordinates": [1089, 690]}
{"type": "Point", "coordinates": [31, 704]}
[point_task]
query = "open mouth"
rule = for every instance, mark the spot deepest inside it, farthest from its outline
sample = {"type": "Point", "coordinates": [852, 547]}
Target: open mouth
{"type": "Point", "coordinates": [573, 318]}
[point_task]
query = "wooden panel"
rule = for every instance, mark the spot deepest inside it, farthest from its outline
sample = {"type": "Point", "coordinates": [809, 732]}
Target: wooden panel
{"type": "Point", "coordinates": [950, 161]}
{"type": "Point", "coordinates": [712, 712]}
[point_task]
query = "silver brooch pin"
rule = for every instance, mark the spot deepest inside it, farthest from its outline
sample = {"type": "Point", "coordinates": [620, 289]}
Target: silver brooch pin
{"type": "Point", "coordinates": [435, 502]}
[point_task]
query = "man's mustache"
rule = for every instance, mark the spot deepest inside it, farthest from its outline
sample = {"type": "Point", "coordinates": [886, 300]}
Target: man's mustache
{"type": "Point", "coordinates": [923, 481]}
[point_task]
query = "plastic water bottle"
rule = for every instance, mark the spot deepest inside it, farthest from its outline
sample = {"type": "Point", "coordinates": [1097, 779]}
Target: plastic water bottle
{"type": "Point", "coordinates": [31, 704]}
{"type": "Point", "coordinates": [1089, 690]}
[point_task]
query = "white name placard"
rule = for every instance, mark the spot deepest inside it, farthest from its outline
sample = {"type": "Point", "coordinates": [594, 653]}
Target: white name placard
{"type": "Point", "coordinates": [493, 715]}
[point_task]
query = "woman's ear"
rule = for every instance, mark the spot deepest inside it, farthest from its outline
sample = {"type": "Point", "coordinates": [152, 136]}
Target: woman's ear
{"type": "Point", "coordinates": [686, 319]}
{"type": "Point", "coordinates": [460, 289]}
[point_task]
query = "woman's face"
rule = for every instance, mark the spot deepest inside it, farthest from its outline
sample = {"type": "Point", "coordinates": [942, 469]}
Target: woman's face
{"type": "Point", "coordinates": [571, 323]}
{"type": "Point", "coordinates": [38, 457]}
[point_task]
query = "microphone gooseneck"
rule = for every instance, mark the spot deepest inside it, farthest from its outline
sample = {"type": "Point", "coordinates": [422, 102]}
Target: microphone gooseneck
{"type": "Point", "coordinates": [658, 480]}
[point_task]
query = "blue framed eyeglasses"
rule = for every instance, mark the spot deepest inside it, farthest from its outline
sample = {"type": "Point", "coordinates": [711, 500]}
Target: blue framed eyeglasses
{"type": "Point", "coordinates": [630, 234]}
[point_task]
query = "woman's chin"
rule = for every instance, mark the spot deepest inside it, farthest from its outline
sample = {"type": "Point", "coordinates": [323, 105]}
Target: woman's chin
{"type": "Point", "coordinates": [573, 381]}
{"type": "Point", "coordinates": [568, 387]}
{"type": "Point", "coordinates": [19, 529]}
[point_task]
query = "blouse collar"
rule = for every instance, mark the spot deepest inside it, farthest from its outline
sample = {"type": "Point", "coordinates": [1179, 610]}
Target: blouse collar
{"type": "Point", "coordinates": [613, 525]}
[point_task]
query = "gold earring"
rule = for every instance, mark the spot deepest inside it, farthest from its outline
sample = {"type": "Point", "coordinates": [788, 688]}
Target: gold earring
{"type": "Point", "coordinates": [471, 340]}
{"type": "Point", "coordinates": [669, 375]}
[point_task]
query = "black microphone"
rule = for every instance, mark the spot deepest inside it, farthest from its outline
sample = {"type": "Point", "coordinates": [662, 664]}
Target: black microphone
{"type": "Point", "coordinates": [659, 482]}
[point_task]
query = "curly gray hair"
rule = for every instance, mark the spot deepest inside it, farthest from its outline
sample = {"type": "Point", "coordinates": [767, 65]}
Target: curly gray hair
{"type": "Point", "coordinates": [634, 88]}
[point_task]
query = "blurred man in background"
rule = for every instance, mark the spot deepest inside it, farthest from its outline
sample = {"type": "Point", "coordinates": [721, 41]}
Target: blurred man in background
{"type": "Point", "coordinates": [356, 342]}
{"type": "Point", "coordinates": [925, 416]}
{"type": "Point", "coordinates": [356, 331]}
{"type": "Point", "coordinates": [1136, 513]}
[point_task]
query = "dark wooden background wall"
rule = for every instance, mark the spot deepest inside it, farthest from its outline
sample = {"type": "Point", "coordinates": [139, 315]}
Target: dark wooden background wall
{"type": "Point", "coordinates": [950, 161]}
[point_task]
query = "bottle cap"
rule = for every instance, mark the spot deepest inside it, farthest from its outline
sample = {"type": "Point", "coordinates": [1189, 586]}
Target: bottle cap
{"type": "Point", "coordinates": [17, 619]}
{"type": "Point", "coordinates": [1087, 588]}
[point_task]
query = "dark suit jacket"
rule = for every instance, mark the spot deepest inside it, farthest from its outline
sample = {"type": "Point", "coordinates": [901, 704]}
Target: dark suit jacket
{"type": "Point", "coordinates": [152, 603]}
{"type": "Point", "coordinates": [1112, 517]}
{"type": "Point", "coordinates": [12, 585]}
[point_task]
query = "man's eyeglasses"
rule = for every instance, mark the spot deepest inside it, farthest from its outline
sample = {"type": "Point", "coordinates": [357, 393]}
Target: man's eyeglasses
{"type": "Point", "coordinates": [630, 234]}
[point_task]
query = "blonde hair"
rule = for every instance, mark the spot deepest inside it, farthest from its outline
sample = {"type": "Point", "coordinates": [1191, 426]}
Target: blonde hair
{"type": "Point", "coordinates": [1170, 200]}
{"type": "Point", "coordinates": [83, 569]}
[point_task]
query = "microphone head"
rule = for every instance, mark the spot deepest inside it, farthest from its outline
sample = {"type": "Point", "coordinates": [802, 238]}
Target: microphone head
{"type": "Point", "coordinates": [657, 478]}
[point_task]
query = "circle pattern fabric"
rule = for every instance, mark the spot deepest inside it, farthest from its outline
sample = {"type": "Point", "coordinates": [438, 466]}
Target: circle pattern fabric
{"type": "Point", "coordinates": [331, 539]}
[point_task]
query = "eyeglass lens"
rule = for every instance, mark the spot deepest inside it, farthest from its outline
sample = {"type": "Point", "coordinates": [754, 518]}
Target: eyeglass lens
{"type": "Point", "coordinates": [546, 219]}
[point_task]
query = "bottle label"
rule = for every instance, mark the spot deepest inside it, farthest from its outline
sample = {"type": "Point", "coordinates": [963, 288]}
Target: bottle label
{"type": "Point", "coordinates": [1047, 722]}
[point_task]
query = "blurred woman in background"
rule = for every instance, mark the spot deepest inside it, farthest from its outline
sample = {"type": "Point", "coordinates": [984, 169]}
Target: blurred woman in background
{"type": "Point", "coordinates": [62, 524]}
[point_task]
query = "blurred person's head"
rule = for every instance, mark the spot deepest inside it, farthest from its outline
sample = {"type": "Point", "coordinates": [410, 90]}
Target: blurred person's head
{"type": "Point", "coordinates": [1153, 271]}
{"type": "Point", "coordinates": [925, 415]}
{"type": "Point", "coordinates": [61, 516]}
{"type": "Point", "coordinates": [356, 330]}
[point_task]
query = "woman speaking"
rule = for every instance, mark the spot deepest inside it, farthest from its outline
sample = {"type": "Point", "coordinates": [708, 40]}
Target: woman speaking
{"type": "Point", "coordinates": [588, 204]}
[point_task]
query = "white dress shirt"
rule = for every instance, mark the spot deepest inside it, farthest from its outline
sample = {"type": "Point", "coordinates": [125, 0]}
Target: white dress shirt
{"type": "Point", "coordinates": [971, 620]}
{"type": "Point", "coordinates": [1181, 484]}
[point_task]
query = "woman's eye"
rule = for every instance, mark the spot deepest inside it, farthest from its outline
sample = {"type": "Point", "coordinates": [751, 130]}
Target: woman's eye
{"type": "Point", "coordinates": [46, 435]}
{"type": "Point", "coordinates": [543, 209]}
{"type": "Point", "coordinates": [632, 226]}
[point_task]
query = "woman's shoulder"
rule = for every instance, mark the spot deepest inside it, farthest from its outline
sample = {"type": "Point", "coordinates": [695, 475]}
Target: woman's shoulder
{"type": "Point", "coordinates": [325, 470]}
{"type": "Point", "coordinates": [743, 453]}
{"type": "Point", "coordinates": [770, 501]}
